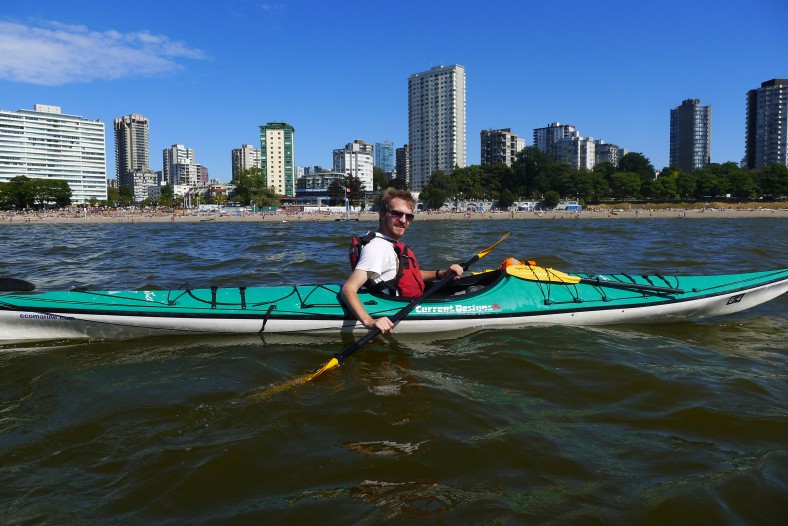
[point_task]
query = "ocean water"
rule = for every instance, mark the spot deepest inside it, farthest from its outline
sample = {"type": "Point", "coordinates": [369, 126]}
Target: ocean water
{"type": "Point", "coordinates": [641, 424]}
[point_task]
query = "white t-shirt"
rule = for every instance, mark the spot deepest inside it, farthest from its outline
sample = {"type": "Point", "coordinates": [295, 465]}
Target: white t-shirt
{"type": "Point", "coordinates": [378, 256]}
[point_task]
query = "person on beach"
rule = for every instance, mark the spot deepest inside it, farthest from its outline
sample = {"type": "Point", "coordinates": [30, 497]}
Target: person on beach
{"type": "Point", "coordinates": [386, 264]}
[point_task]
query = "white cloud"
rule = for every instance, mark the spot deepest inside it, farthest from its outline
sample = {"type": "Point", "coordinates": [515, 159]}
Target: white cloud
{"type": "Point", "coordinates": [53, 53]}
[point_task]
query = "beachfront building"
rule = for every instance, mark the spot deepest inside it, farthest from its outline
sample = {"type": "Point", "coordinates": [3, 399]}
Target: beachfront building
{"type": "Point", "coordinates": [356, 159]}
{"type": "Point", "coordinates": [44, 143]}
{"type": "Point", "coordinates": [384, 156]}
{"type": "Point", "coordinates": [690, 135]}
{"type": "Point", "coordinates": [244, 158]}
{"type": "Point", "coordinates": [545, 138]}
{"type": "Point", "coordinates": [436, 123]}
{"type": "Point", "coordinates": [132, 146]}
{"type": "Point", "coordinates": [608, 153]}
{"type": "Point", "coordinates": [402, 165]}
{"type": "Point", "coordinates": [767, 125]}
{"type": "Point", "coordinates": [500, 146]}
{"type": "Point", "coordinates": [277, 157]}
{"type": "Point", "coordinates": [132, 155]}
{"type": "Point", "coordinates": [578, 152]}
{"type": "Point", "coordinates": [177, 154]}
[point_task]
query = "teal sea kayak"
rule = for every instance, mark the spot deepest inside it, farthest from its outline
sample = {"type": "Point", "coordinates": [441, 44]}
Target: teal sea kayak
{"type": "Point", "coordinates": [516, 296]}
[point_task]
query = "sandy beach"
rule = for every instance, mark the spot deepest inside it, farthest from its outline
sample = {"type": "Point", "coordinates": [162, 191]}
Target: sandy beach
{"type": "Point", "coordinates": [187, 216]}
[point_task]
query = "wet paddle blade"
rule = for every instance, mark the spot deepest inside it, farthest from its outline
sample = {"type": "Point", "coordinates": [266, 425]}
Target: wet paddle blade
{"type": "Point", "coordinates": [299, 380]}
{"type": "Point", "coordinates": [333, 362]}
{"type": "Point", "coordinates": [15, 285]}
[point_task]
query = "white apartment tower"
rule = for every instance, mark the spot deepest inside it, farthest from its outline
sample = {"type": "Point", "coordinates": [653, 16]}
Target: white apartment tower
{"type": "Point", "coordinates": [178, 154]}
{"type": "Point", "coordinates": [356, 159]}
{"type": "Point", "coordinates": [545, 138]}
{"type": "Point", "coordinates": [244, 158]}
{"type": "Point", "coordinates": [436, 122]}
{"type": "Point", "coordinates": [45, 143]}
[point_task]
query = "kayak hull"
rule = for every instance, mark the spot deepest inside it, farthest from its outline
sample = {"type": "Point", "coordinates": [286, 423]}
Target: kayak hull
{"type": "Point", "coordinates": [496, 300]}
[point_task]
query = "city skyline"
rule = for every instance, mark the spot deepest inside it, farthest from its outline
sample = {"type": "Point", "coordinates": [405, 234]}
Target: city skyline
{"type": "Point", "coordinates": [185, 74]}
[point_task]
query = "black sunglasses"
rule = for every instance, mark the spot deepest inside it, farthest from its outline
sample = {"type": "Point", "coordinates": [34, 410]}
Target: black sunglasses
{"type": "Point", "coordinates": [400, 215]}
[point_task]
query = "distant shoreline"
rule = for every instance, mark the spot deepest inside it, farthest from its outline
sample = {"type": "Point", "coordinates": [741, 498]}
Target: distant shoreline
{"type": "Point", "coordinates": [590, 213]}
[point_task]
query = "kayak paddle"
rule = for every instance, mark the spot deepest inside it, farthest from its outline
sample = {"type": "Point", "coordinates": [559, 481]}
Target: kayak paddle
{"type": "Point", "coordinates": [415, 302]}
{"type": "Point", "coordinates": [549, 275]}
{"type": "Point", "coordinates": [15, 285]}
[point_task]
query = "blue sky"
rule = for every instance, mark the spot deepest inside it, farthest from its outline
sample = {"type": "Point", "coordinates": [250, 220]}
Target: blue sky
{"type": "Point", "coordinates": [208, 74]}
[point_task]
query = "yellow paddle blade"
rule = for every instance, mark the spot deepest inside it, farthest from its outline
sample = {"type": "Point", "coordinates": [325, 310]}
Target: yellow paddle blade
{"type": "Point", "coordinates": [299, 380]}
{"type": "Point", "coordinates": [534, 273]}
{"type": "Point", "coordinates": [491, 248]}
{"type": "Point", "coordinates": [333, 362]}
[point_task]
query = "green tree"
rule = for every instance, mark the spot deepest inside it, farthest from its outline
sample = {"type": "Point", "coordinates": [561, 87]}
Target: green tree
{"type": "Point", "coordinates": [440, 188]}
{"type": "Point", "coordinates": [113, 196]}
{"type": "Point", "coordinates": [686, 183]}
{"type": "Point", "coordinates": [379, 178]}
{"type": "Point", "coordinates": [742, 184]}
{"type": "Point", "coordinates": [592, 185]}
{"type": "Point", "coordinates": [470, 182]}
{"type": "Point", "coordinates": [665, 187]}
{"type": "Point", "coordinates": [708, 182]}
{"type": "Point", "coordinates": [773, 181]}
{"type": "Point", "coordinates": [530, 173]}
{"type": "Point", "coordinates": [167, 197]}
{"type": "Point", "coordinates": [625, 184]}
{"type": "Point", "coordinates": [350, 187]}
{"type": "Point", "coordinates": [21, 192]}
{"type": "Point", "coordinates": [637, 163]}
{"type": "Point", "coordinates": [551, 199]}
{"type": "Point", "coordinates": [506, 199]}
{"type": "Point", "coordinates": [250, 189]}
{"type": "Point", "coordinates": [125, 196]}
{"type": "Point", "coordinates": [606, 169]}
{"type": "Point", "coordinates": [563, 179]}
{"type": "Point", "coordinates": [6, 199]}
{"type": "Point", "coordinates": [50, 191]}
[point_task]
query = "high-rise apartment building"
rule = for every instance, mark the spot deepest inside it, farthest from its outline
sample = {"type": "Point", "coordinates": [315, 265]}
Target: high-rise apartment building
{"type": "Point", "coordinates": [608, 153]}
{"type": "Point", "coordinates": [173, 156]}
{"type": "Point", "coordinates": [402, 165]}
{"type": "Point", "coordinates": [244, 158]}
{"type": "Point", "coordinates": [46, 143]}
{"type": "Point", "coordinates": [436, 122]}
{"type": "Point", "coordinates": [132, 155]}
{"type": "Point", "coordinates": [767, 125]}
{"type": "Point", "coordinates": [132, 146]}
{"type": "Point", "coordinates": [500, 146]}
{"type": "Point", "coordinates": [690, 135]}
{"type": "Point", "coordinates": [277, 157]}
{"type": "Point", "coordinates": [356, 159]}
{"type": "Point", "coordinates": [384, 156]}
{"type": "Point", "coordinates": [545, 138]}
{"type": "Point", "coordinates": [577, 152]}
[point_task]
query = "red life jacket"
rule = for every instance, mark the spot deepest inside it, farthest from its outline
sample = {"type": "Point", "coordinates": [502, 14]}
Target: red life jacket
{"type": "Point", "coordinates": [407, 283]}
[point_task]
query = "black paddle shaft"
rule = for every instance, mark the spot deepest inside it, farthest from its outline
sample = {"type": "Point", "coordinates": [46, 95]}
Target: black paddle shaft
{"type": "Point", "coordinates": [415, 302]}
{"type": "Point", "coordinates": [624, 285]}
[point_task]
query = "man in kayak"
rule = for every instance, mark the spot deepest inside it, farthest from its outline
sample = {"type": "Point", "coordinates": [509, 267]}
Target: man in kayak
{"type": "Point", "coordinates": [386, 264]}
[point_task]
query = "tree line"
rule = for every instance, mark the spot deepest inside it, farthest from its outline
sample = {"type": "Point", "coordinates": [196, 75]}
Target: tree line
{"type": "Point", "coordinates": [23, 192]}
{"type": "Point", "coordinates": [534, 175]}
